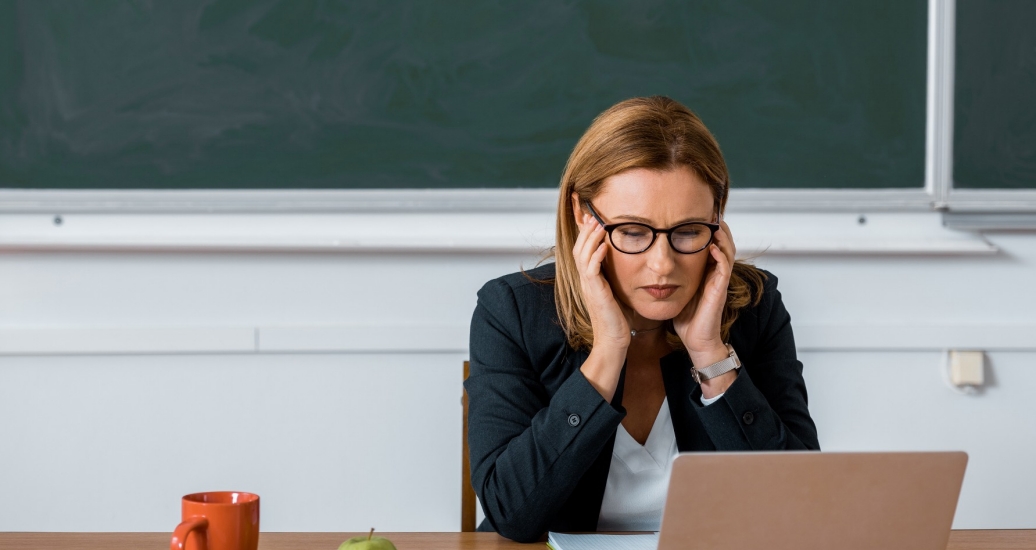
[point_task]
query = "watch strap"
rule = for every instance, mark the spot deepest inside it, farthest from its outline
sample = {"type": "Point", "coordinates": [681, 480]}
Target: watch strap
{"type": "Point", "coordinates": [720, 367]}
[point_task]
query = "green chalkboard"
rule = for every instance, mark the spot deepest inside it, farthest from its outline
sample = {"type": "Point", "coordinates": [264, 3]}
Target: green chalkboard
{"type": "Point", "coordinates": [258, 94]}
{"type": "Point", "coordinates": [994, 138]}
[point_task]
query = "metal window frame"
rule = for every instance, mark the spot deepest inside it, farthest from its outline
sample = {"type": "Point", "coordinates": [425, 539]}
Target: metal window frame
{"type": "Point", "coordinates": [937, 193]}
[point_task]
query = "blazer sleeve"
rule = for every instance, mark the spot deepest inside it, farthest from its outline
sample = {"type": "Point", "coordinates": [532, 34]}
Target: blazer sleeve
{"type": "Point", "coordinates": [766, 406]}
{"type": "Point", "coordinates": [528, 450]}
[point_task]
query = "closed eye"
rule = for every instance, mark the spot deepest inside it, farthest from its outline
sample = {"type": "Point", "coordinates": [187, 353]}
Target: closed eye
{"type": "Point", "coordinates": [688, 231]}
{"type": "Point", "coordinates": [632, 231]}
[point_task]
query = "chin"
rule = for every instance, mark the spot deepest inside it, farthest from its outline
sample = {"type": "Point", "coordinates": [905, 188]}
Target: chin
{"type": "Point", "coordinates": [659, 311]}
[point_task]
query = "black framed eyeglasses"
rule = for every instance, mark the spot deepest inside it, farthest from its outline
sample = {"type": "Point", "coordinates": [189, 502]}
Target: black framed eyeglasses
{"type": "Point", "coordinates": [634, 238]}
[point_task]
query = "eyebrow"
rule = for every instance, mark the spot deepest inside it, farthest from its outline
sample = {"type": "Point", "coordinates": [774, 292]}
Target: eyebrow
{"type": "Point", "coordinates": [646, 221]}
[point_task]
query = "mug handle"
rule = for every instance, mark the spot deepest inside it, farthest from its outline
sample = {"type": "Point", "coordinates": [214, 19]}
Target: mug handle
{"type": "Point", "coordinates": [192, 523]}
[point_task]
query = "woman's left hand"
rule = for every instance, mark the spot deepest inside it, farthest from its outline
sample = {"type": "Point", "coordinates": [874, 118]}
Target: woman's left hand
{"type": "Point", "coordinates": [698, 325]}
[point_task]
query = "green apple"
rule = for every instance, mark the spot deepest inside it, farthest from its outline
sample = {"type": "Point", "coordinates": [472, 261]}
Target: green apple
{"type": "Point", "coordinates": [370, 542]}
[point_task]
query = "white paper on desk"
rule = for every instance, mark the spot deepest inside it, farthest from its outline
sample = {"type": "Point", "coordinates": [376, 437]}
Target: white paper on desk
{"type": "Point", "coordinates": [561, 541]}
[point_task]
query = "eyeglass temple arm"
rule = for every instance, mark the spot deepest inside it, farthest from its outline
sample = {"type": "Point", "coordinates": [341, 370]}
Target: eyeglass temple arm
{"type": "Point", "coordinates": [594, 213]}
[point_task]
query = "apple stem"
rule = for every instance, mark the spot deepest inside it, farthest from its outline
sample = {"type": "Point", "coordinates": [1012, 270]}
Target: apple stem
{"type": "Point", "coordinates": [371, 534]}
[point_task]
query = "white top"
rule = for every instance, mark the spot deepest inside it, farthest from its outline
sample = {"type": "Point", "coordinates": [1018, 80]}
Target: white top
{"type": "Point", "coordinates": [638, 478]}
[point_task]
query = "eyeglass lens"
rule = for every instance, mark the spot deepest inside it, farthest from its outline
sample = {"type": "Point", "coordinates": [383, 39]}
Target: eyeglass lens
{"type": "Point", "coordinates": [688, 238]}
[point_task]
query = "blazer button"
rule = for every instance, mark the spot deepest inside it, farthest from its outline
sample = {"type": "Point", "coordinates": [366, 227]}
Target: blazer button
{"type": "Point", "coordinates": [748, 417]}
{"type": "Point", "coordinates": [573, 420]}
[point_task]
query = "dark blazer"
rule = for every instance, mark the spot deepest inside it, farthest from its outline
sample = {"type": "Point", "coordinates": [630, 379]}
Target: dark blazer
{"type": "Point", "coordinates": [541, 437]}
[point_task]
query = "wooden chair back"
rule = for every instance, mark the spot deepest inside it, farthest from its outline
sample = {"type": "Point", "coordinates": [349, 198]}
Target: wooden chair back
{"type": "Point", "coordinates": [467, 492]}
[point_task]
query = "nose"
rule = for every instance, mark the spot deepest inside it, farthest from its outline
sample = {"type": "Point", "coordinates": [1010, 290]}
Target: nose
{"type": "Point", "coordinates": [660, 255]}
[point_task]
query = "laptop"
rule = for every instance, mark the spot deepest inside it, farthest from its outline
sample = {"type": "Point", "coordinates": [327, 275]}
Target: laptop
{"type": "Point", "coordinates": [812, 500]}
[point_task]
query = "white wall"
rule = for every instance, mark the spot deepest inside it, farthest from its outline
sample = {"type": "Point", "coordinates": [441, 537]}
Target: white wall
{"type": "Point", "coordinates": [328, 381]}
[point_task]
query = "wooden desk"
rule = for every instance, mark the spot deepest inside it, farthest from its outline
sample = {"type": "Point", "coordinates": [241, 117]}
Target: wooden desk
{"type": "Point", "coordinates": [959, 540]}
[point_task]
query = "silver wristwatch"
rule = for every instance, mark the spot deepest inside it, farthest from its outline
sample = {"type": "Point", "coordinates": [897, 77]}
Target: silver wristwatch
{"type": "Point", "coordinates": [716, 369]}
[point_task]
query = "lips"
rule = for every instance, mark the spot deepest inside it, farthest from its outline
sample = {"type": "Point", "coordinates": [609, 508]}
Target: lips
{"type": "Point", "coordinates": [661, 292]}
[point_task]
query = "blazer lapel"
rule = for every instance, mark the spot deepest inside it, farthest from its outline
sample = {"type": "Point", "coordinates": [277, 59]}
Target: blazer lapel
{"type": "Point", "coordinates": [684, 394]}
{"type": "Point", "coordinates": [583, 508]}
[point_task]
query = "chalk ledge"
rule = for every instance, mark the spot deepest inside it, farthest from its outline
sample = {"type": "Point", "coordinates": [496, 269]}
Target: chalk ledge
{"type": "Point", "coordinates": [756, 233]}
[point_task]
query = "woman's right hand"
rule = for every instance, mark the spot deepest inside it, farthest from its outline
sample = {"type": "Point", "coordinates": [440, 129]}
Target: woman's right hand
{"type": "Point", "coordinates": [603, 366]}
{"type": "Point", "coordinates": [611, 329]}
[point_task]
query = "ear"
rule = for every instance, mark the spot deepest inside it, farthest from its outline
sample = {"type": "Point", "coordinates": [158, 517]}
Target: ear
{"type": "Point", "coordinates": [578, 213]}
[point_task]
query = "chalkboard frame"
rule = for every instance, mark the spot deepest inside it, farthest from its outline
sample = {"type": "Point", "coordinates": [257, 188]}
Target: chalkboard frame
{"type": "Point", "coordinates": [970, 209]}
{"type": "Point", "coordinates": [422, 200]}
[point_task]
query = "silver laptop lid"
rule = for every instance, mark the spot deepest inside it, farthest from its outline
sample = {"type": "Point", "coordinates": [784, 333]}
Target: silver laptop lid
{"type": "Point", "coordinates": [812, 500]}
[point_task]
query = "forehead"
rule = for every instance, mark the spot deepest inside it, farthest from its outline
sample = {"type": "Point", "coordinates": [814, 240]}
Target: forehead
{"type": "Point", "coordinates": [664, 197]}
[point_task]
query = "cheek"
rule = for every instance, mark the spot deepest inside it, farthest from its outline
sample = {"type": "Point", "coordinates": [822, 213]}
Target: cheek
{"type": "Point", "coordinates": [693, 268]}
{"type": "Point", "coordinates": [621, 269]}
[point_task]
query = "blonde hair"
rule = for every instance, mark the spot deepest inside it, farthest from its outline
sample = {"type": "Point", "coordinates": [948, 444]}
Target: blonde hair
{"type": "Point", "coordinates": [656, 133]}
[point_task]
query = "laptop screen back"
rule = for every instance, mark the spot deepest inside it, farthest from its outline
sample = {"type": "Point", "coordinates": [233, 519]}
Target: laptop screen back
{"type": "Point", "coordinates": [812, 500]}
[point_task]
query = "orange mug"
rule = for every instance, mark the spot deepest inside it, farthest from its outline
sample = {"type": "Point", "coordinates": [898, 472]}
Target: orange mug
{"type": "Point", "coordinates": [220, 520]}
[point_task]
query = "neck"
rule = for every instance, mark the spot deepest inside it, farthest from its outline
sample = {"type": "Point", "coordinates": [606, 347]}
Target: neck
{"type": "Point", "coordinates": [649, 333]}
{"type": "Point", "coordinates": [646, 325]}
{"type": "Point", "coordinates": [648, 343]}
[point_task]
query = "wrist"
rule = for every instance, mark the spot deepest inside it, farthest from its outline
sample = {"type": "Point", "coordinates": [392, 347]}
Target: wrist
{"type": "Point", "coordinates": [713, 353]}
{"type": "Point", "coordinates": [602, 368]}
{"type": "Point", "coordinates": [611, 344]}
{"type": "Point", "coordinates": [715, 386]}
{"type": "Point", "coordinates": [717, 376]}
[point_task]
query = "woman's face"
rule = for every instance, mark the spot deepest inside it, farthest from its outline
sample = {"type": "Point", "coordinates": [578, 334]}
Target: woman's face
{"type": "Point", "coordinates": [659, 282]}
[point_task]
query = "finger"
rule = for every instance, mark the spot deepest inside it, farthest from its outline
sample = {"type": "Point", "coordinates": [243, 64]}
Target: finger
{"type": "Point", "coordinates": [594, 265]}
{"type": "Point", "coordinates": [720, 276]}
{"type": "Point", "coordinates": [725, 244]}
{"type": "Point", "coordinates": [591, 244]}
{"type": "Point", "coordinates": [721, 257]}
{"type": "Point", "coordinates": [730, 249]}
{"type": "Point", "coordinates": [586, 230]}
{"type": "Point", "coordinates": [580, 237]}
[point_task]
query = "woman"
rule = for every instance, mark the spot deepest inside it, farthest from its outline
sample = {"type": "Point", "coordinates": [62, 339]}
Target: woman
{"type": "Point", "coordinates": [583, 372]}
